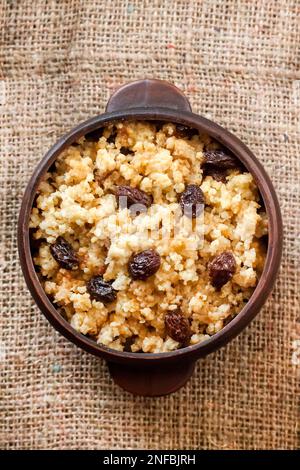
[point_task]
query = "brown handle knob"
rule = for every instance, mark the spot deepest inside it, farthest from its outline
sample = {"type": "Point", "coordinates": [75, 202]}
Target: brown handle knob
{"type": "Point", "coordinates": [148, 93]}
{"type": "Point", "coordinates": [151, 381]}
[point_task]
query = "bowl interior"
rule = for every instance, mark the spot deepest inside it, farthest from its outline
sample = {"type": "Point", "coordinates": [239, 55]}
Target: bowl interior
{"type": "Point", "coordinates": [272, 261]}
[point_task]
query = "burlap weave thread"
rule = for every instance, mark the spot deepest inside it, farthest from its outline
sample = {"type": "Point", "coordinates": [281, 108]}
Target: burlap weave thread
{"type": "Point", "coordinates": [238, 62]}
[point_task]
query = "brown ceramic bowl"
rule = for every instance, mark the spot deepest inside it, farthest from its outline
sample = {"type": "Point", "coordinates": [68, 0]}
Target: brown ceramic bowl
{"type": "Point", "coordinates": [154, 374]}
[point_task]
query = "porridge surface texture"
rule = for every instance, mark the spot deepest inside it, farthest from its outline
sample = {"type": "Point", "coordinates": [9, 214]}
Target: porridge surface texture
{"type": "Point", "coordinates": [88, 237]}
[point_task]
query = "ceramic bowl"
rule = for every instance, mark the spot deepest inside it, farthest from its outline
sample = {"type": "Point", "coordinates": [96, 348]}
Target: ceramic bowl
{"type": "Point", "coordinates": [154, 374]}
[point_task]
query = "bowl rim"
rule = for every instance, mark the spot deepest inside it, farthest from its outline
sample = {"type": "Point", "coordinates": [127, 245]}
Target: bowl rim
{"type": "Point", "coordinates": [272, 262]}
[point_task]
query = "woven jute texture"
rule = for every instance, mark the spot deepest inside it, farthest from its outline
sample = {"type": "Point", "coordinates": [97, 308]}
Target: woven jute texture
{"type": "Point", "coordinates": [238, 62]}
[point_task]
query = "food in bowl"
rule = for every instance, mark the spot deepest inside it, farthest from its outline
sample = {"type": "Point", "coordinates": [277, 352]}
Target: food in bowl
{"type": "Point", "coordinates": [151, 236]}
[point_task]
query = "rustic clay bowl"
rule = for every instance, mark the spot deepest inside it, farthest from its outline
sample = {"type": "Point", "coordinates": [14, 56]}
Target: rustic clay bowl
{"type": "Point", "coordinates": [154, 374]}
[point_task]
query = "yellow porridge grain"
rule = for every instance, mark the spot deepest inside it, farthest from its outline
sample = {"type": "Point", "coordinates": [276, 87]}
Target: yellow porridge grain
{"type": "Point", "coordinates": [77, 201]}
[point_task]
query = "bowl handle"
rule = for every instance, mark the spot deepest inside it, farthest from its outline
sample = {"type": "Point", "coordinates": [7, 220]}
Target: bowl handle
{"type": "Point", "coordinates": [152, 381]}
{"type": "Point", "coordinates": [148, 93]}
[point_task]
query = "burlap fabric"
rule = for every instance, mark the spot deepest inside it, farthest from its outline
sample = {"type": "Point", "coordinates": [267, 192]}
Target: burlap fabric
{"type": "Point", "coordinates": [238, 62]}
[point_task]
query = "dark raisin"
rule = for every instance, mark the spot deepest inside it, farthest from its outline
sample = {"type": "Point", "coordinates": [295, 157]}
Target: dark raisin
{"type": "Point", "coordinates": [220, 159]}
{"type": "Point", "coordinates": [215, 173]}
{"type": "Point", "coordinates": [64, 254]}
{"type": "Point", "coordinates": [94, 135]}
{"type": "Point", "coordinates": [192, 201]}
{"type": "Point", "coordinates": [128, 196]}
{"type": "Point", "coordinates": [126, 151]}
{"type": "Point", "coordinates": [101, 290]}
{"type": "Point", "coordinates": [221, 269]}
{"type": "Point", "coordinates": [184, 132]}
{"type": "Point", "coordinates": [177, 326]}
{"type": "Point", "coordinates": [217, 163]}
{"type": "Point", "coordinates": [144, 264]}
